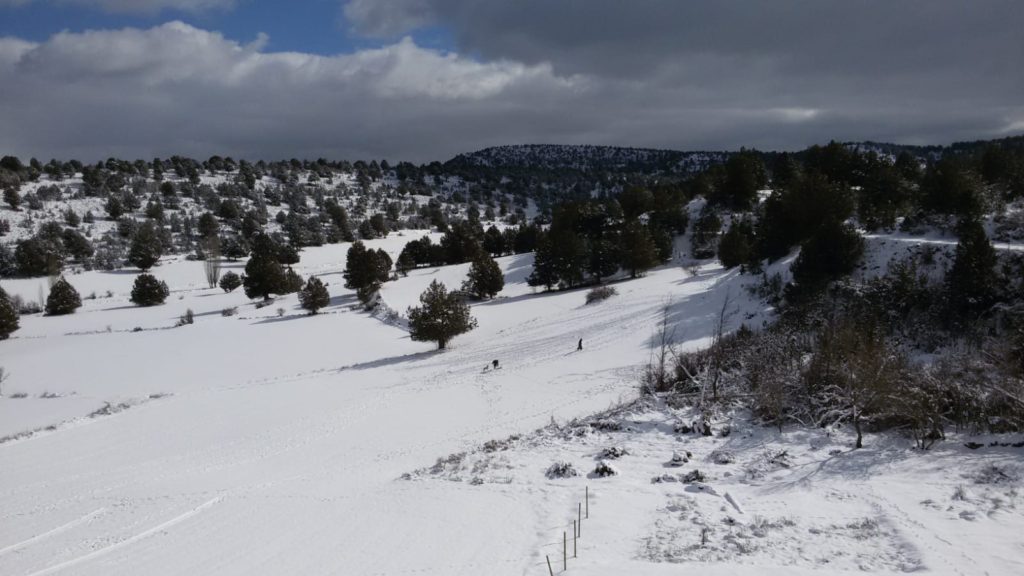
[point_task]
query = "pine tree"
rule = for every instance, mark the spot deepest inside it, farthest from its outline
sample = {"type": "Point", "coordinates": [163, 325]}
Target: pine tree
{"type": "Point", "coordinates": [146, 247]}
{"type": "Point", "coordinates": [971, 282]}
{"type": "Point", "coordinates": [63, 299]}
{"type": "Point", "coordinates": [544, 273]}
{"type": "Point", "coordinates": [208, 226]}
{"type": "Point", "coordinates": [263, 273]}
{"type": "Point", "coordinates": [8, 316]}
{"type": "Point", "coordinates": [287, 254]}
{"type": "Point", "coordinates": [114, 207]}
{"type": "Point", "coordinates": [313, 295]}
{"type": "Point", "coordinates": [364, 267]}
{"type": "Point", "coordinates": [602, 258]}
{"type": "Point", "coordinates": [571, 257]}
{"type": "Point", "coordinates": [441, 317]}
{"type": "Point", "coordinates": [292, 282]}
{"type": "Point", "coordinates": [230, 281]}
{"type": "Point", "coordinates": [485, 278]}
{"type": "Point", "coordinates": [148, 291]}
{"type": "Point", "coordinates": [736, 246]}
{"type": "Point", "coordinates": [494, 241]}
{"type": "Point", "coordinates": [12, 198]}
{"type": "Point", "coordinates": [406, 262]}
{"type": "Point", "coordinates": [382, 265]}
{"type": "Point", "coordinates": [639, 253]}
{"type": "Point", "coordinates": [832, 252]}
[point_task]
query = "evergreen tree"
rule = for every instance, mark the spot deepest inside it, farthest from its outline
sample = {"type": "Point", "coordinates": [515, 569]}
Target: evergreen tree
{"type": "Point", "coordinates": [360, 266]}
{"type": "Point", "coordinates": [461, 243]}
{"type": "Point", "coordinates": [148, 291]}
{"type": "Point", "coordinates": [12, 198]}
{"type": "Point", "coordinates": [63, 299]}
{"type": "Point", "coordinates": [292, 282]}
{"type": "Point", "coordinates": [208, 226]}
{"type": "Point", "coordinates": [571, 257]}
{"type": "Point", "coordinates": [744, 175]}
{"type": "Point", "coordinates": [263, 273]}
{"type": "Point", "coordinates": [114, 207]}
{"type": "Point", "coordinates": [380, 227]}
{"type": "Point", "coordinates": [494, 242]}
{"type": "Point", "coordinates": [230, 281]}
{"type": "Point", "coordinates": [705, 233]}
{"type": "Point", "coordinates": [76, 245]}
{"type": "Point", "coordinates": [603, 258]}
{"type": "Point", "coordinates": [8, 316]}
{"type": "Point", "coordinates": [313, 295]}
{"type": "Point", "coordinates": [71, 218]}
{"type": "Point", "coordinates": [832, 252]}
{"type": "Point", "coordinates": [971, 282]}
{"type": "Point", "coordinates": [287, 254]}
{"type": "Point", "coordinates": [639, 253]}
{"type": "Point", "coordinates": [544, 272]}
{"type": "Point", "coordinates": [366, 231]}
{"type": "Point", "coordinates": [406, 262]}
{"type": "Point", "coordinates": [39, 256]}
{"type": "Point", "coordinates": [382, 264]}
{"type": "Point", "coordinates": [485, 278]}
{"type": "Point", "coordinates": [146, 247]}
{"type": "Point", "coordinates": [441, 317]}
{"type": "Point", "coordinates": [736, 246]}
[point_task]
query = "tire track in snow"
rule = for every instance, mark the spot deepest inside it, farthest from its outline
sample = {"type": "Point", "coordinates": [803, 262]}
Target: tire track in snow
{"type": "Point", "coordinates": [54, 532]}
{"type": "Point", "coordinates": [130, 540]}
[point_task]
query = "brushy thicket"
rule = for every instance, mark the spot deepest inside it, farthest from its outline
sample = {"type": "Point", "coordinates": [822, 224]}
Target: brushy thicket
{"type": "Point", "coordinates": [902, 351]}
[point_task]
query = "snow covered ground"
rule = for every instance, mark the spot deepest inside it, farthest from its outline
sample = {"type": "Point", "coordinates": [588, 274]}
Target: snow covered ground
{"type": "Point", "coordinates": [275, 443]}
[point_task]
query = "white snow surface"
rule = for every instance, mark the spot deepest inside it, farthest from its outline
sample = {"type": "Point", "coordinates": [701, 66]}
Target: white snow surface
{"type": "Point", "coordinates": [277, 444]}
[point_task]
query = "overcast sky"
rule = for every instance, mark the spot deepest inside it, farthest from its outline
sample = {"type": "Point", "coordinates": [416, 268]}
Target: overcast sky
{"type": "Point", "coordinates": [423, 80]}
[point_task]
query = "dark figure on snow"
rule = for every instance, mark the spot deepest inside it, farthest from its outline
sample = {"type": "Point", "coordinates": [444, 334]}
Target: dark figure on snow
{"type": "Point", "coordinates": [580, 345]}
{"type": "Point", "coordinates": [495, 364]}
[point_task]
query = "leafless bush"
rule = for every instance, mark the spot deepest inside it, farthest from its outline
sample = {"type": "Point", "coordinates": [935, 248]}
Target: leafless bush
{"type": "Point", "coordinates": [599, 293]}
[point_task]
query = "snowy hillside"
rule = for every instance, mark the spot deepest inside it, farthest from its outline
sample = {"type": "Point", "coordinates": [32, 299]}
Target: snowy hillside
{"type": "Point", "coordinates": [273, 442]}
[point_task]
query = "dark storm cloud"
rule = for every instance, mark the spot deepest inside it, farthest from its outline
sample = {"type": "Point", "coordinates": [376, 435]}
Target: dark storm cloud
{"type": "Point", "coordinates": [685, 75]}
{"type": "Point", "coordinates": [911, 70]}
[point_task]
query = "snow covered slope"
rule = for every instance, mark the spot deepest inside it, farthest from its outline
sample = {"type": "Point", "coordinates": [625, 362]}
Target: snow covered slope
{"type": "Point", "coordinates": [267, 444]}
{"type": "Point", "coordinates": [273, 442]}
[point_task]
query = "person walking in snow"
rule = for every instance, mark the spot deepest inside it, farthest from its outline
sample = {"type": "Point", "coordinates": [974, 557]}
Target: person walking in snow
{"type": "Point", "coordinates": [579, 346]}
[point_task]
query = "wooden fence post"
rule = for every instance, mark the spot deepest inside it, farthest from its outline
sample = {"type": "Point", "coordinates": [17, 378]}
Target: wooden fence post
{"type": "Point", "coordinates": [588, 501]}
{"type": "Point", "coordinates": [565, 555]}
{"type": "Point", "coordinates": [574, 536]}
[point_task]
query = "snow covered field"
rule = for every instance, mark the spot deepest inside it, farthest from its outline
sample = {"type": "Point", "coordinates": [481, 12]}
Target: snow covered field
{"type": "Point", "coordinates": [275, 443]}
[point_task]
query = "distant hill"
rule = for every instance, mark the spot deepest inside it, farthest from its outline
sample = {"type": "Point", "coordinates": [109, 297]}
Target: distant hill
{"type": "Point", "coordinates": [587, 158]}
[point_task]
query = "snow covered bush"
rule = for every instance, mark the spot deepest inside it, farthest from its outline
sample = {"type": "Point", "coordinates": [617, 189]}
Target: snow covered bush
{"type": "Point", "coordinates": [613, 453]}
{"type": "Point", "coordinates": [693, 476]}
{"type": "Point", "coordinates": [606, 425]}
{"type": "Point", "coordinates": [604, 469]}
{"type": "Point", "coordinates": [722, 457]}
{"type": "Point", "coordinates": [561, 470]}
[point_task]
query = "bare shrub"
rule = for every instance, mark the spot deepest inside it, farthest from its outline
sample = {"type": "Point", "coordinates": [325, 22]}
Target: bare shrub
{"type": "Point", "coordinates": [599, 293]}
